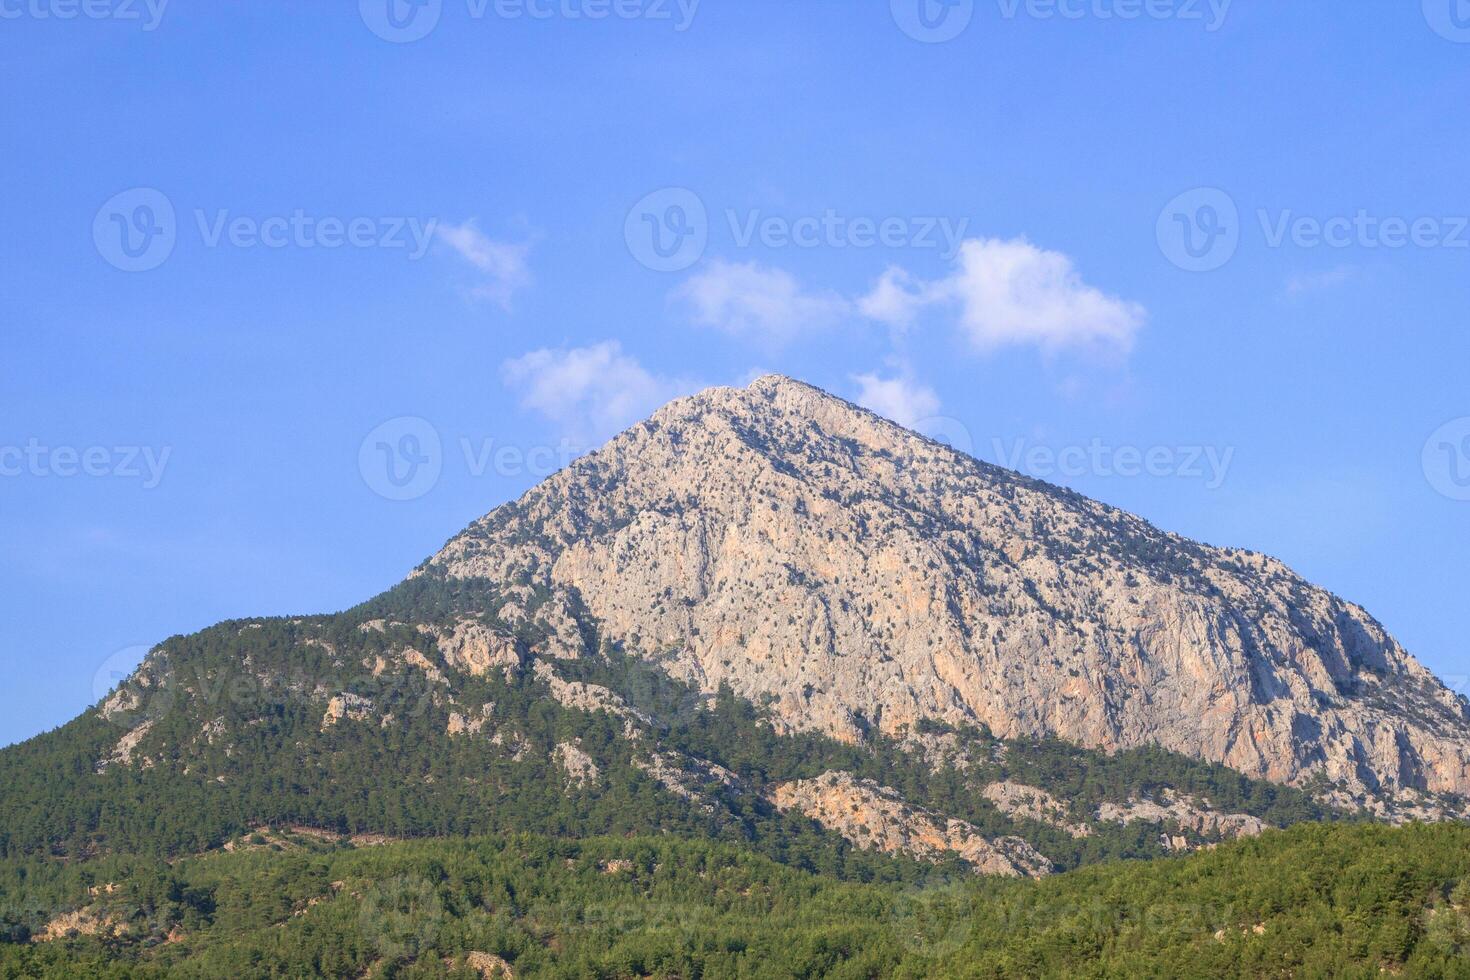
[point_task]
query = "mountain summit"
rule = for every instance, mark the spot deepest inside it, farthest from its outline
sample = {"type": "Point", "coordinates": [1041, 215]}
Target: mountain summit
{"type": "Point", "coordinates": [857, 577]}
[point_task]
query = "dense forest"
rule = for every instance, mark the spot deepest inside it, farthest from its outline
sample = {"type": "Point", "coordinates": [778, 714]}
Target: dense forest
{"type": "Point", "coordinates": [1316, 900]}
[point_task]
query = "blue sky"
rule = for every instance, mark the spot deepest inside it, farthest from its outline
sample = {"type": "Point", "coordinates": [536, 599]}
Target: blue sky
{"type": "Point", "coordinates": [289, 297]}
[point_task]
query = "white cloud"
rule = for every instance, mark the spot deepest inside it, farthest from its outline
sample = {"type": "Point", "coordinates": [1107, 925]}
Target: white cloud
{"type": "Point", "coordinates": [894, 300]}
{"type": "Point", "coordinates": [1312, 282]}
{"type": "Point", "coordinates": [502, 265]}
{"type": "Point", "coordinates": [901, 399]}
{"type": "Point", "coordinates": [591, 393]}
{"type": "Point", "coordinates": [755, 302]}
{"type": "Point", "coordinates": [1010, 293]}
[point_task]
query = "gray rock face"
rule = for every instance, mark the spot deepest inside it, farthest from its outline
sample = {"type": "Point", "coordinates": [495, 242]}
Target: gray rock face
{"type": "Point", "coordinates": [859, 577]}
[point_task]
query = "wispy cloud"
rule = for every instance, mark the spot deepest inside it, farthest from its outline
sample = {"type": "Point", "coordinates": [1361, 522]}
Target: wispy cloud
{"type": "Point", "coordinates": [591, 393]}
{"type": "Point", "coordinates": [501, 266]}
{"type": "Point", "coordinates": [899, 398]}
{"type": "Point", "coordinates": [758, 303]}
{"type": "Point", "coordinates": [1010, 293]}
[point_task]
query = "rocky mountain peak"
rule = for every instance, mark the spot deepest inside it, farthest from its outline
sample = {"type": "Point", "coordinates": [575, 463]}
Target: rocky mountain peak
{"type": "Point", "coordinates": [858, 578]}
{"type": "Point", "coordinates": [768, 385]}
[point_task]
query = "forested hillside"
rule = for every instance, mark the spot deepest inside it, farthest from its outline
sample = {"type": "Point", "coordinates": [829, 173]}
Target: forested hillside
{"type": "Point", "coordinates": [234, 737]}
{"type": "Point", "coordinates": [1312, 901]}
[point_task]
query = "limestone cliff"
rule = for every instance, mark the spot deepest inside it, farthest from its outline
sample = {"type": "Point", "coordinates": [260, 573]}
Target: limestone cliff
{"type": "Point", "coordinates": [858, 577]}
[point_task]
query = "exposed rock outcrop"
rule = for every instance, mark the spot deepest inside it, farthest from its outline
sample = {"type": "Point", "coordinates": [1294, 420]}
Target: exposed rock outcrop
{"type": "Point", "coordinates": [122, 753]}
{"type": "Point", "coordinates": [578, 765]}
{"type": "Point", "coordinates": [489, 966]}
{"type": "Point", "coordinates": [591, 697]}
{"type": "Point", "coordinates": [470, 724]}
{"type": "Point", "coordinates": [476, 649]}
{"type": "Point", "coordinates": [347, 705]}
{"type": "Point", "coordinates": [82, 922]}
{"type": "Point", "coordinates": [1030, 803]}
{"type": "Point", "coordinates": [877, 818]}
{"type": "Point", "coordinates": [1185, 812]}
{"type": "Point", "coordinates": [688, 777]}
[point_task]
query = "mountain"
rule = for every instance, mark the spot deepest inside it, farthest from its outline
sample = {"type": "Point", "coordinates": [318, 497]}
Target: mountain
{"type": "Point", "coordinates": [858, 578]}
{"type": "Point", "coordinates": [801, 574]}
{"type": "Point", "coordinates": [765, 621]}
